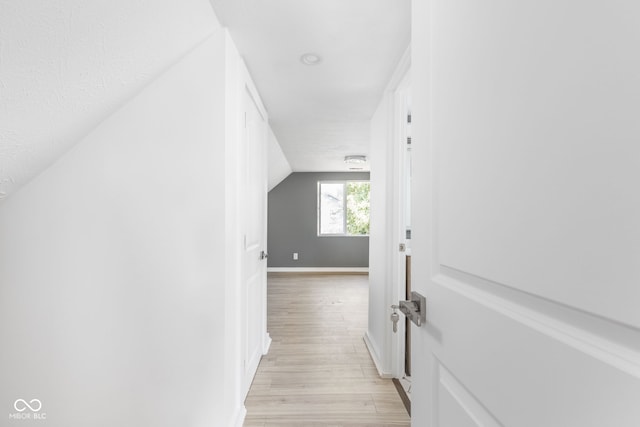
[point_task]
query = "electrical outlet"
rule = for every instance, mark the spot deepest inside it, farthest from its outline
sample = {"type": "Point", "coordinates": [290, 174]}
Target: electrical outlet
{"type": "Point", "coordinates": [295, 256]}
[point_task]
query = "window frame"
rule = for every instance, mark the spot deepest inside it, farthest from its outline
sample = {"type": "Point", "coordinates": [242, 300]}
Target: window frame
{"type": "Point", "coordinates": [344, 183]}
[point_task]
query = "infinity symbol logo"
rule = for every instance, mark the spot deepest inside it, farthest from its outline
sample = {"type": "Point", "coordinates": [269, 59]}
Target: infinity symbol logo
{"type": "Point", "coordinates": [21, 403]}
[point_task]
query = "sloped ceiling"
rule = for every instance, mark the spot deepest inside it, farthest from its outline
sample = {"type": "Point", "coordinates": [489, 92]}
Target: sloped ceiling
{"type": "Point", "coordinates": [66, 64]}
{"type": "Point", "coordinates": [319, 113]}
{"type": "Point", "coordinates": [278, 166]}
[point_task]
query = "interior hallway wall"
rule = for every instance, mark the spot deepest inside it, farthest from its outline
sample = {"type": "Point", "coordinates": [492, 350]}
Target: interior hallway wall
{"type": "Point", "coordinates": [380, 277]}
{"type": "Point", "coordinates": [113, 265]}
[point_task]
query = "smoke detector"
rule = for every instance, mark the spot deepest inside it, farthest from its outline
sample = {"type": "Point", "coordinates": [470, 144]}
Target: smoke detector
{"type": "Point", "coordinates": [310, 59]}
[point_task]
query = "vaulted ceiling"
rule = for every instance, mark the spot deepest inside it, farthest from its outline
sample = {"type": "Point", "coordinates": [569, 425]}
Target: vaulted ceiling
{"type": "Point", "coordinates": [319, 113]}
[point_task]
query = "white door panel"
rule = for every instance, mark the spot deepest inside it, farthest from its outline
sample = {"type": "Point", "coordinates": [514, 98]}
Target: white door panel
{"type": "Point", "coordinates": [254, 191]}
{"type": "Point", "coordinates": [456, 406]}
{"type": "Point", "coordinates": [526, 214]}
{"type": "Point", "coordinates": [524, 369]}
{"type": "Point", "coordinates": [537, 163]}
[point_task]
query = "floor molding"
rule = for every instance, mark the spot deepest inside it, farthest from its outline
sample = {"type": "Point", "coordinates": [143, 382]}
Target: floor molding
{"type": "Point", "coordinates": [267, 344]}
{"type": "Point", "coordinates": [238, 420]}
{"type": "Point", "coordinates": [326, 270]}
{"type": "Point", "coordinates": [374, 356]}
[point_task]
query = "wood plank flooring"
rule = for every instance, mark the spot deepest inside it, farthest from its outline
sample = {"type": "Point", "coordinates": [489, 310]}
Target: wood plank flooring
{"type": "Point", "coordinates": [318, 371]}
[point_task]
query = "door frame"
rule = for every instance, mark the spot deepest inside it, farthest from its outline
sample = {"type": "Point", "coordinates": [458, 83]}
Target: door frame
{"type": "Point", "coordinates": [401, 87]}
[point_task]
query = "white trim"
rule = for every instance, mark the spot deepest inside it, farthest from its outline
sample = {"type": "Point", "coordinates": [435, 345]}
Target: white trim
{"type": "Point", "coordinates": [400, 71]}
{"type": "Point", "coordinates": [239, 416]}
{"type": "Point", "coordinates": [399, 89]}
{"type": "Point", "coordinates": [317, 269]}
{"type": "Point", "coordinates": [374, 356]}
{"type": "Point", "coordinates": [469, 404]}
{"type": "Point", "coordinates": [619, 356]}
{"type": "Point", "coordinates": [266, 343]}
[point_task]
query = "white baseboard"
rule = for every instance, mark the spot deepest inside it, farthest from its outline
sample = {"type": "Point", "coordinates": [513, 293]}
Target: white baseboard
{"type": "Point", "coordinates": [267, 344]}
{"type": "Point", "coordinates": [238, 420]}
{"type": "Point", "coordinates": [318, 269]}
{"type": "Point", "coordinates": [375, 357]}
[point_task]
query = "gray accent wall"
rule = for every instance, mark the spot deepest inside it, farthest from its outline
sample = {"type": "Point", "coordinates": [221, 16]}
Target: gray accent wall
{"type": "Point", "coordinates": [293, 225]}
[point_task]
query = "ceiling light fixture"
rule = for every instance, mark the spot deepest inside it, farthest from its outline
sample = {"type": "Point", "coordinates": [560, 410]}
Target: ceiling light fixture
{"type": "Point", "coordinates": [310, 59]}
{"type": "Point", "coordinates": [355, 159]}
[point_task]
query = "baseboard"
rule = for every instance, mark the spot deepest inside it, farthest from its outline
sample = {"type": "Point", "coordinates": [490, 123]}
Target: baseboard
{"type": "Point", "coordinates": [375, 357]}
{"type": "Point", "coordinates": [267, 344]}
{"type": "Point", "coordinates": [346, 270]}
{"type": "Point", "coordinates": [238, 419]}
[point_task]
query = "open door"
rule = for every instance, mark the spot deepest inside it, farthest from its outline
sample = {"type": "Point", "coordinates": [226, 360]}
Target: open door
{"type": "Point", "coordinates": [526, 220]}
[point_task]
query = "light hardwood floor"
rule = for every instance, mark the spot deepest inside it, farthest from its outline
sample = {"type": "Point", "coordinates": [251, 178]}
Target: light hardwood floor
{"type": "Point", "coordinates": [318, 371]}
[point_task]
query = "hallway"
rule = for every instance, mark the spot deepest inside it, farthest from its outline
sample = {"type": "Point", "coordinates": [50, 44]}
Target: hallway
{"type": "Point", "coordinates": [318, 371]}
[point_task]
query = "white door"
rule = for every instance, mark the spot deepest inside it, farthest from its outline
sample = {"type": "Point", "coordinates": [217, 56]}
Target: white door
{"type": "Point", "coordinates": [526, 220]}
{"type": "Point", "coordinates": [254, 195]}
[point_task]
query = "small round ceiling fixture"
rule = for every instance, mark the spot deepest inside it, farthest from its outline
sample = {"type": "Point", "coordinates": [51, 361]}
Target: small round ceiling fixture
{"type": "Point", "coordinates": [310, 59]}
{"type": "Point", "coordinates": [355, 159]}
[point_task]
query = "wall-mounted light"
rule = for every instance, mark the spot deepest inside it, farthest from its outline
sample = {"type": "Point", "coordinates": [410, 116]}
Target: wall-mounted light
{"type": "Point", "coordinates": [355, 159]}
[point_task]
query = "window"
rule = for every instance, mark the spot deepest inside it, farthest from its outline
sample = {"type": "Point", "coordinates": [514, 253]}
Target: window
{"type": "Point", "coordinates": [343, 208]}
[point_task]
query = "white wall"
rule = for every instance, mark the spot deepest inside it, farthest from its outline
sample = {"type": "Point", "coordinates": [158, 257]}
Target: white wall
{"type": "Point", "coordinates": [114, 271]}
{"type": "Point", "coordinates": [377, 335]}
{"type": "Point", "coordinates": [278, 165]}
{"type": "Point", "coordinates": [383, 236]}
{"type": "Point", "coordinates": [67, 64]}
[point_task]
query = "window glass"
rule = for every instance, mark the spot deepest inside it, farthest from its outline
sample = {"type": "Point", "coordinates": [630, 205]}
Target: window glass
{"type": "Point", "coordinates": [332, 208]}
{"type": "Point", "coordinates": [358, 208]}
{"type": "Point", "coordinates": [343, 208]}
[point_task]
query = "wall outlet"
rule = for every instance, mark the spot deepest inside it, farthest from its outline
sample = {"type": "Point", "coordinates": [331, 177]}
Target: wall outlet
{"type": "Point", "coordinates": [295, 256]}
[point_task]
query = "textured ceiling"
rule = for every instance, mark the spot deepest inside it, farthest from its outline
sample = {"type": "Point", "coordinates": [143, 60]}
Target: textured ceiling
{"type": "Point", "coordinates": [65, 65]}
{"type": "Point", "coordinates": [319, 113]}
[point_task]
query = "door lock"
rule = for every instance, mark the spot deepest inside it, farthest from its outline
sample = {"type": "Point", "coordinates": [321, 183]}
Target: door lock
{"type": "Point", "coordinates": [264, 255]}
{"type": "Point", "coordinates": [415, 309]}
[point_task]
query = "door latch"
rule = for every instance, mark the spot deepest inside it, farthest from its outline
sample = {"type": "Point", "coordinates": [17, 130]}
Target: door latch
{"type": "Point", "coordinates": [415, 309]}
